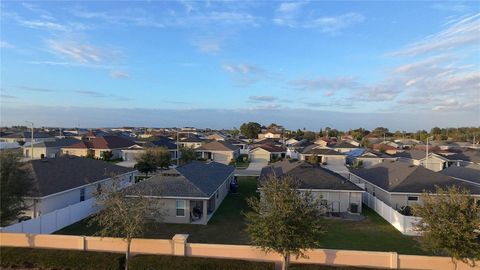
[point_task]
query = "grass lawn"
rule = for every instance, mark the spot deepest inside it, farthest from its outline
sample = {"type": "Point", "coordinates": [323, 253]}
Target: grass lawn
{"type": "Point", "coordinates": [227, 227]}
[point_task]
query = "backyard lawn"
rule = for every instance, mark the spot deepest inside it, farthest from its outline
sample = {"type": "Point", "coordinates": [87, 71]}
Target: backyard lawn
{"type": "Point", "coordinates": [227, 227]}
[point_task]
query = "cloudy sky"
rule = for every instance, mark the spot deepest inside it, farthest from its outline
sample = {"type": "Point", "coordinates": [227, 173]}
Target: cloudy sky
{"type": "Point", "coordinates": [303, 64]}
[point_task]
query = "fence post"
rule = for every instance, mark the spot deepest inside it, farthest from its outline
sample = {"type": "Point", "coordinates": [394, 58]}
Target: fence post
{"type": "Point", "coordinates": [393, 260]}
{"type": "Point", "coordinates": [179, 244]}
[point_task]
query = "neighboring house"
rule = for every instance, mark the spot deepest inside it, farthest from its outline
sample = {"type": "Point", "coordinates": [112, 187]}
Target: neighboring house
{"type": "Point", "coordinates": [418, 157]}
{"type": "Point", "coordinates": [270, 134]}
{"type": "Point", "coordinates": [191, 141]}
{"type": "Point", "coordinates": [48, 149]}
{"type": "Point", "coordinates": [344, 147]}
{"type": "Point", "coordinates": [324, 155]}
{"type": "Point", "coordinates": [294, 150]}
{"type": "Point", "coordinates": [266, 153]}
{"type": "Point", "coordinates": [68, 180]}
{"type": "Point", "coordinates": [97, 146]}
{"type": "Point", "coordinates": [291, 141]}
{"type": "Point", "coordinates": [336, 192]}
{"type": "Point", "coordinates": [190, 193]}
{"type": "Point", "coordinates": [324, 142]}
{"type": "Point", "coordinates": [464, 157]}
{"type": "Point", "coordinates": [216, 136]}
{"type": "Point", "coordinates": [218, 151]}
{"type": "Point", "coordinates": [270, 141]}
{"type": "Point", "coordinates": [386, 147]}
{"type": "Point", "coordinates": [400, 184]}
{"type": "Point", "coordinates": [132, 152]}
{"type": "Point", "coordinates": [366, 158]}
{"type": "Point", "coordinates": [408, 143]}
{"type": "Point", "coordinates": [469, 174]}
{"type": "Point", "coordinates": [240, 144]}
{"type": "Point", "coordinates": [27, 137]}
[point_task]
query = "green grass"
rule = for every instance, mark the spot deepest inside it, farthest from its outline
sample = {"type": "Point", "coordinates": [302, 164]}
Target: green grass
{"type": "Point", "coordinates": [227, 226]}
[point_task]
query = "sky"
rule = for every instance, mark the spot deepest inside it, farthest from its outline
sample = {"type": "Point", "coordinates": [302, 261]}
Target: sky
{"type": "Point", "coordinates": [305, 64]}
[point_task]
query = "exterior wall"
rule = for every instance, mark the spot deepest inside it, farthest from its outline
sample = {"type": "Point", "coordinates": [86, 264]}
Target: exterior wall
{"type": "Point", "coordinates": [61, 200]}
{"type": "Point", "coordinates": [117, 153]}
{"type": "Point", "coordinates": [259, 153]}
{"type": "Point", "coordinates": [369, 162]}
{"type": "Point", "coordinates": [370, 188]}
{"type": "Point", "coordinates": [262, 136]}
{"type": "Point", "coordinates": [193, 145]}
{"type": "Point", "coordinates": [344, 150]}
{"type": "Point", "coordinates": [130, 155]}
{"type": "Point", "coordinates": [339, 201]}
{"type": "Point", "coordinates": [48, 152]}
{"type": "Point", "coordinates": [333, 159]}
{"type": "Point", "coordinates": [79, 152]}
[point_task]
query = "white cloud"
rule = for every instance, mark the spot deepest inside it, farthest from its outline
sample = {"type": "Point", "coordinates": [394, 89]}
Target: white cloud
{"type": "Point", "coordinates": [333, 24]}
{"type": "Point", "coordinates": [327, 84]}
{"type": "Point", "coordinates": [119, 74]}
{"type": "Point", "coordinates": [208, 45]}
{"type": "Point", "coordinates": [6, 45]}
{"type": "Point", "coordinates": [262, 98]}
{"type": "Point", "coordinates": [80, 52]}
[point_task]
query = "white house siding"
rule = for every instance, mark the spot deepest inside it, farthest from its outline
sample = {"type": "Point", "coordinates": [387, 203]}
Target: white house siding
{"type": "Point", "coordinates": [61, 200]}
{"type": "Point", "coordinates": [131, 155]}
{"type": "Point", "coordinates": [369, 162]}
{"type": "Point", "coordinates": [50, 152]}
{"type": "Point", "coordinates": [339, 201]}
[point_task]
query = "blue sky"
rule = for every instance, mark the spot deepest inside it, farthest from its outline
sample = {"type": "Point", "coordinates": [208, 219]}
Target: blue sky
{"type": "Point", "coordinates": [404, 65]}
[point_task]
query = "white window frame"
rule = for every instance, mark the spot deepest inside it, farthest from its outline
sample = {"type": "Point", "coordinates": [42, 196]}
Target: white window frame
{"type": "Point", "coordinates": [177, 208]}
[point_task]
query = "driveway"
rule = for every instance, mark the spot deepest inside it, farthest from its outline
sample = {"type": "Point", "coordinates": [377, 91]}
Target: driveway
{"type": "Point", "coordinates": [253, 169]}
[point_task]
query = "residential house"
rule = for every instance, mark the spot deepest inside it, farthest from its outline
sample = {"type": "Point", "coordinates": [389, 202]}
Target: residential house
{"type": "Point", "coordinates": [266, 153]}
{"type": "Point", "coordinates": [68, 180]}
{"type": "Point", "coordinates": [366, 158]}
{"type": "Point", "coordinates": [240, 144]}
{"type": "Point", "coordinates": [191, 141]}
{"type": "Point", "coordinates": [48, 149]}
{"type": "Point", "coordinates": [434, 161]}
{"type": "Point", "coordinates": [132, 152]}
{"type": "Point", "coordinates": [24, 137]}
{"type": "Point", "coordinates": [97, 146]}
{"type": "Point", "coordinates": [294, 149]}
{"type": "Point", "coordinates": [190, 193]}
{"type": "Point", "coordinates": [335, 191]}
{"type": "Point", "coordinates": [344, 146]}
{"type": "Point", "coordinates": [400, 184]}
{"type": "Point", "coordinates": [469, 174]}
{"type": "Point", "coordinates": [463, 157]}
{"type": "Point", "coordinates": [218, 151]}
{"type": "Point", "coordinates": [291, 141]}
{"type": "Point", "coordinates": [271, 134]}
{"type": "Point", "coordinates": [324, 142]}
{"type": "Point", "coordinates": [386, 147]}
{"type": "Point", "coordinates": [216, 136]}
{"type": "Point", "coordinates": [270, 141]}
{"type": "Point", "coordinates": [324, 155]}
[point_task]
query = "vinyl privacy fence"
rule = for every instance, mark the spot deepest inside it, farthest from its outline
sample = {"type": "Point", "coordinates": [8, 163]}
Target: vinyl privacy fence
{"type": "Point", "coordinates": [405, 224]}
{"type": "Point", "coordinates": [56, 220]}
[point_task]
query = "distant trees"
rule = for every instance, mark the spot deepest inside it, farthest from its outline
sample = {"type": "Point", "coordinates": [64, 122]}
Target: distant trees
{"type": "Point", "coordinates": [309, 135]}
{"type": "Point", "coordinates": [152, 159]}
{"type": "Point", "coordinates": [380, 131]}
{"type": "Point", "coordinates": [187, 155]}
{"type": "Point", "coordinates": [251, 130]}
{"type": "Point", "coordinates": [16, 182]}
{"type": "Point", "coordinates": [122, 216]}
{"type": "Point", "coordinates": [450, 223]}
{"type": "Point", "coordinates": [283, 219]}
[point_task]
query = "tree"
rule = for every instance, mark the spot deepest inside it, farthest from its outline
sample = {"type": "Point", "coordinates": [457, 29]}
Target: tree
{"type": "Point", "coordinates": [122, 216]}
{"type": "Point", "coordinates": [380, 131]}
{"type": "Point", "coordinates": [312, 159]}
{"type": "Point", "coordinates": [320, 133]}
{"type": "Point", "coordinates": [309, 135]}
{"type": "Point", "coordinates": [450, 223]}
{"type": "Point", "coordinates": [151, 159]}
{"type": "Point", "coordinates": [16, 183]}
{"type": "Point", "coordinates": [186, 155]}
{"type": "Point", "coordinates": [106, 155]}
{"type": "Point", "coordinates": [283, 219]}
{"type": "Point", "coordinates": [251, 129]}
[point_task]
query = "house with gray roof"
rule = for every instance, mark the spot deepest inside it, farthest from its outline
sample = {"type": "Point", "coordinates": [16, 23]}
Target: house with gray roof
{"type": "Point", "coordinates": [218, 151]}
{"type": "Point", "coordinates": [47, 149]}
{"type": "Point", "coordinates": [400, 184]}
{"type": "Point", "coordinates": [336, 192]}
{"type": "Point", "coordinates": [67, 180]}
{"type": "Point", "coordinates": [27, 137]}
{"type": "Point", "coordinates": [190, 193]}
{"type": "Point", "coordinates": [434, 162]}
{"type": "Point", "coordinates": [324, 154]}
{"type": "Point", "coordinates": [344, 146]}
{"type": "Point", "coordinates": [470, 174]}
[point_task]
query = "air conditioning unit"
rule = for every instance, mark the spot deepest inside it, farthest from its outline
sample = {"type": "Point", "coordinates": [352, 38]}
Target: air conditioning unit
{"type": "Point", "coordinates": [354, 208]}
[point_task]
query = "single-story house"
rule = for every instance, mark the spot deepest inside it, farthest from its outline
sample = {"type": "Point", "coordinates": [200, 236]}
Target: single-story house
{"type": "Point", "coordinates": [468, 174]}
{"type": "Point", "coordinates": [291, 141]}
{"type": "Point", "coordinates": [344, 147]}
{"type": "Point", "coordinates": [266, 153]}
{"type": "Point", "coordinates": [324, 141]}
{"type": "Point", "coordinates": [294, 150]}
{"type": "Point", "coordinates": [367, 158]}
{"type": "Point", "coordinates": [27, 137]}
{"type": "Point", "coordinates": [216, 136]}
{"type": "Point", "coordinates": [218, 151]}
{"type": "Point", "coordinates": [418, 157]}
{"type": "Point", "coordinates": [132, 152]}
{"type": "Point", "coordinates": [270, 141]}
{"type": "Point", "coordinates": [336, 192]}
{"type": "Point", "coordinates": [324, 155]}
{"type": "Point", "coordinates": [190, 193]}
{"type": "Point", "coordinates": [240, 144]}
{"type": "Point", "coordinates": [465, 157]}
{"type": "Point", "coordinates": [68, 180]}
{"type": "Point", "coordinates": [400, 184]}
{"type": "Point", "coordinates": [273, 134]}
{"type": "Point", "coordinates": [47, 149]}
{"type": "Point", "coordinates": [191, 141]}
{"type": "Point", "coordinates": [386, 147]}
{"type": "Point", "coordinates": [97, 146]}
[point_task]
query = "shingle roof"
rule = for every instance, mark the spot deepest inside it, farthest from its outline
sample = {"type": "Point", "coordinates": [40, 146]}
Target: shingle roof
{"type": "Point", "coordinates": [315, 150]}
{"type": "Point", "coordinates": [195, 179]}
{"type": "Point", "coordinates": [309, 176]}
{"type": "Point", "coordinates": [163, 141]}
{"type": "Point", "coordinates": [191, 138]}
{"type": "Point", "coordinates": [417, 155]}
{"type": "Point", "coordinates": [270, 148]}
{"type": "Point", "coordinates": [106, 142]}
{"type": "Point", "coordinates": [463, 173]}
{"type": "Point", "coordinates": [217, 146]}
{"type": "Point", "coordinates": [344, 144]}
{"type": "Point", "coordinates": [470, 155]}
{"type": "Point", "coordinates": [396, 176]}
{"type": "Point", "coordinates": [26, 135]}
{"type": "Point", "coordinates": [59, 174]}
{"type": "Point", "coordinates": [57, 143]}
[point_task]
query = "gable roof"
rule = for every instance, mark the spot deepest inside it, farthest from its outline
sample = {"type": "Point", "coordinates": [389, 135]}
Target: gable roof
{"type": "Point", "coordinates": [464, 173]}
{"type": "Point", "coordinates": [63, 173]}
{"type": "Point", "coordinates": [344, 144]}
{"type": "Point", "coordinates": [269, 148]}
{"type": "Point", "coordinates": [195, 179]}
{"type": "Point", "coordinates": [309, 176]}
{"type": "Point", "coordinates": [106, 142]}
{"type": "Point", "coordinates": [396, 176]}
{"type": "Point", "coordinates": [162, 141]}
{"type": "Point", "coordinates": [417, 155]}
{"type": "Point", "coordinates": [470, 155]}
{"type": "Point", "coordinates": [57, 143]}
{"type": "Point", "coordinates": [27, 135]}
{"type": "Point", "coordinates": [315, 150]}
{"type": "Point", "coordinates": [191, 138]}
{"type": "Point", "coordinates": [218, 146]}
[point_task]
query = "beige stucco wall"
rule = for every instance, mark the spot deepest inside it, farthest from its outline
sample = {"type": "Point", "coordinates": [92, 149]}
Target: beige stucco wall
{"type": "Point", "coordinates": [75, 152]}
{"type": "Point", "coordinates": [259, 153]}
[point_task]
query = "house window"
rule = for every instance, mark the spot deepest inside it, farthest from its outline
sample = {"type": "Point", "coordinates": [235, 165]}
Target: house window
{"type": "Point", "coordinates": [412, 198]}
{"type": "Point", "coordinates": [180, 208]}
{"type": "Point", "coordinates": [82, 194]}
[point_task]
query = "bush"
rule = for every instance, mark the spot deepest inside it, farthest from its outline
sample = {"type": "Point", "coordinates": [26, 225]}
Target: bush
{"type": "Point", "coordinates": [58, 259]}
{"type": "Point", "coordinates": [151, 262]}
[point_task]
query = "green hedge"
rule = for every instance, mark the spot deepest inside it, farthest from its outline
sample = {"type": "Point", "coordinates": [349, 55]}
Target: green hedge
{"type": "Point", "coordinates": [151, 262]}
{"type": "Point", "coordinates": [58, 259]}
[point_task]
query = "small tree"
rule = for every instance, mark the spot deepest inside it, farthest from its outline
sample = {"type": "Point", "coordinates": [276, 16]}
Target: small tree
{"type": "Point", "coordinates": [151, 159]}
{"type": "Point", "coordinates": [251, 129]}
{"type": "Point", "coordinates": [283, 219]}
{"type": "Point", "coordinates": [450, 223]}
{"type": "Point", "coordinates": [186, 155]}
{"type": "Point", "coordinates": [16, 182]}
{"type": "Point", "coordinates": [122, 216]}
{"type": "Point", "coordinates": [312, 159]}
{"type": "Point", "coordinates": [106, 155]}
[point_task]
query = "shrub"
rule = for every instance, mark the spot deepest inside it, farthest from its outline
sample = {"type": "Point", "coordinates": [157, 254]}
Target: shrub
{"type": "Point", "coordinates": [151, 262]}
{"type": "Point", "coordinates": [58, 259]}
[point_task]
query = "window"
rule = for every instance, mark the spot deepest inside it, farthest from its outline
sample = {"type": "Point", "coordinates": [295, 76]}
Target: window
{"type": "Point", "coordinates": [180, 208]}
{"type": "Point", "coordinates": [82, 194]}
{"type": "Point", "coordinates": [412, 198]}
{"type": "Point", "coordinates": [99, 188]}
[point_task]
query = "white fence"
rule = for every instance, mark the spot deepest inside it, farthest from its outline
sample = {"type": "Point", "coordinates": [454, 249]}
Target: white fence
{"type": "Point", "coordinates": [55, 220]}
{"type": "Point", "coordinates": [405, 224]}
